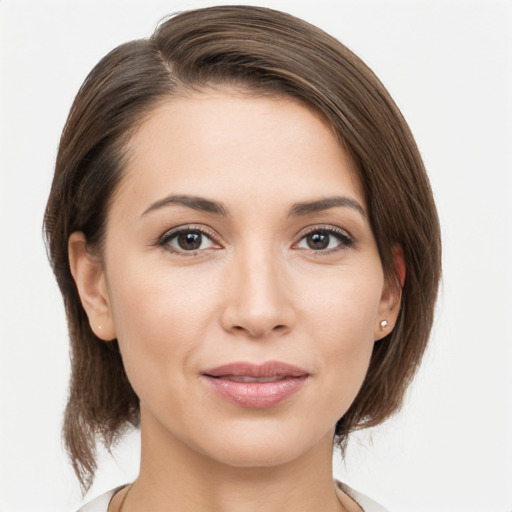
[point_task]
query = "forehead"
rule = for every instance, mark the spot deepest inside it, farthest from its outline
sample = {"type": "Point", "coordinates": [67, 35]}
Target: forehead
{"type": "Point", "coordinates": [235, 144]}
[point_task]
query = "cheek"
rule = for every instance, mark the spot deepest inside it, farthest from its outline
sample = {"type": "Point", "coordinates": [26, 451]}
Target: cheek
{"type": "Point", "coordinates": [342, 325]}
{"type": "Point", "coordinates": [164, 302]}
{"type": "Point", "coordinates": [344, 307]}
{"type": "Point", "coordinates": [158, 319]}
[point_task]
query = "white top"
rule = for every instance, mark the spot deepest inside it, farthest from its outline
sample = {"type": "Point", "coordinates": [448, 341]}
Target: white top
{"type": "Point", "coordinates": [100, 504]}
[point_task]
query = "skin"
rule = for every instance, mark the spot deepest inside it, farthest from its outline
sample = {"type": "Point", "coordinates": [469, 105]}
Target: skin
{"type": "Point", "coordinates": [255, 290]}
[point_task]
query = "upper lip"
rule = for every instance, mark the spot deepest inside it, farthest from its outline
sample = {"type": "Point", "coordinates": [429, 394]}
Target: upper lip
{"type": "Point", "coordinates": [267, 369]}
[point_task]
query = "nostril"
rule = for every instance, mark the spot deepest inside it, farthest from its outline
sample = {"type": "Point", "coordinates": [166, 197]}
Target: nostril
{"type": "Point", "coordinates": [280, 329]}
{"type": "Point", "coordinates": [258, 333]}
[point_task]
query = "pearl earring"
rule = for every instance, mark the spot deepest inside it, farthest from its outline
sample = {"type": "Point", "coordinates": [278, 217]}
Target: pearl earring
{"type": "Point", "coordinates": [384, 324]}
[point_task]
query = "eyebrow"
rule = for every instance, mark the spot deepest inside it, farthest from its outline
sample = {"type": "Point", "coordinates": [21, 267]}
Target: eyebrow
{"type": "Point", "coordinates": [196, 203]}
{"type": "Point", "coordinates": [308, 207]}
{"type": "Point", "coordinates": [218, 208]}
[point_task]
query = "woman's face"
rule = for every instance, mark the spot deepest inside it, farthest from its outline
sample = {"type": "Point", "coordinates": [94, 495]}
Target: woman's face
{"type": "Point", "coordinates": [241, 277]}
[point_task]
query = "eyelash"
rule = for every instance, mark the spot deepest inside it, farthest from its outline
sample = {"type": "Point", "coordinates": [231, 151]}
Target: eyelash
{"type": "Point", "coordinates": [175, 232]}
{"type": "Point", "coordinates": [345, 240]}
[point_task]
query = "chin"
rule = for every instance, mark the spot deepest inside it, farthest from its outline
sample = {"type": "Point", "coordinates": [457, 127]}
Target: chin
{"type": "Point", "coordinates": [264, 448]}
{"type": "Point", "coordinates": [248, 459]}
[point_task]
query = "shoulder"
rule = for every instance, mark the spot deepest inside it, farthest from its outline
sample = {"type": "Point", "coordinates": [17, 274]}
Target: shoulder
{"type": "Point", "coordinates": [367, 504]}
{"type": "Point", "coordinates": [100, 504]}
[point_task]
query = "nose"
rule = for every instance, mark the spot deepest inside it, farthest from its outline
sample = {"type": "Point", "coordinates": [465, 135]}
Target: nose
{"type": "Point", "coordinates": [258, 297]}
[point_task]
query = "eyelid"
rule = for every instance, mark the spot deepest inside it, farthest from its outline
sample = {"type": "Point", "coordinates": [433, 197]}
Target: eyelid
{"type": "Point", "coordinates": [346, 239]}
{"type": "Point", "coordinates": [186, 228]}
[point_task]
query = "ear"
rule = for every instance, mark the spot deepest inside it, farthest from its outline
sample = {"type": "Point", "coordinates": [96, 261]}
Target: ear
{"type": "Point", "coordinates": [391, 299]}
{"type": "Point", "coordinates": [87, 271]}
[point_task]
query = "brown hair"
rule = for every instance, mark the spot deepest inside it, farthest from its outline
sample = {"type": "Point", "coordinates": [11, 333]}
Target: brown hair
{"type": "Point", "coordinates": [265, 51]}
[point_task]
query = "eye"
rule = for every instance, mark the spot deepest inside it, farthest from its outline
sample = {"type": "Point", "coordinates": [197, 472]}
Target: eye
{"type": "Point", "coordinates": [325, 239]}
{"type": "Point", "coordinates": [187, 239]}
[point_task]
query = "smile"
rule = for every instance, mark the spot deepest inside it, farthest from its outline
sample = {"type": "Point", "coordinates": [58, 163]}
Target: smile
{"type": "Point", "coordinates": [256, 386]}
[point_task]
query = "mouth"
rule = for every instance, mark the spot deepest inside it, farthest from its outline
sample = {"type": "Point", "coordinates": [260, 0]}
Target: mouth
{"type": "Point", "coordinates": [247, 378]}
{"type": "Point", "coordinates": [256, 386]}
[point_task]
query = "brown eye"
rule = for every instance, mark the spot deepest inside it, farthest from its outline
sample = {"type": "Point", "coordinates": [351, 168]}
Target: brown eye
{"type": "Point", "coordinates": [318, 241]}
{"type": "Point", "coordinates": [325, 239]}
{"type": "Point", "coordinates": [187, 240]}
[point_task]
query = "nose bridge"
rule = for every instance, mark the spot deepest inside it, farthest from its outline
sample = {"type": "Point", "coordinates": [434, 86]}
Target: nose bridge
{"type": "Point", "coordinates": [259, 302]}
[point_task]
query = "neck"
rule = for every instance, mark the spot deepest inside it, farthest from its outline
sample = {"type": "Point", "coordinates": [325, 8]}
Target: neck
{"type": "Point", "coordinates": [173, 473]}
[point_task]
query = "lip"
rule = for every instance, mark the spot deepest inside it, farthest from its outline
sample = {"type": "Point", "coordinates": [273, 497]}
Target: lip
{"type": "Point", "coordinates": [274, 382]}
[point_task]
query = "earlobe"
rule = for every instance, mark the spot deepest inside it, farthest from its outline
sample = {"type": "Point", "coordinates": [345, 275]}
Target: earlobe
{"type": "Point", "coordinates": [391, 299]}
{"type": "Point", "coordinates": [89, 276]}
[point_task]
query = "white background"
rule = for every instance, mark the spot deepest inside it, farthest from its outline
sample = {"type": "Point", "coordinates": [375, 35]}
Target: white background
{"type": "Point", "coordinates": [448, 64]}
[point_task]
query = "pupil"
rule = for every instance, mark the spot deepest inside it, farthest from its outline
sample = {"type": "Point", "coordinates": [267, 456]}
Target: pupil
{"type": "Point", "coordinates": [318, 240]}
{"type": "Point", "coordinates": [189, 241]}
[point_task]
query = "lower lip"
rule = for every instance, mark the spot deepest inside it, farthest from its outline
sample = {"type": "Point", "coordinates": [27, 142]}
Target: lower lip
{"type": "Point", "coordinates": [256, 395]}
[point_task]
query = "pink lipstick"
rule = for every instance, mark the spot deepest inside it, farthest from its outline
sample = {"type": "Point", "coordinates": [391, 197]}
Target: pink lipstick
{"type": "Point", "coordinates": [256, 385]}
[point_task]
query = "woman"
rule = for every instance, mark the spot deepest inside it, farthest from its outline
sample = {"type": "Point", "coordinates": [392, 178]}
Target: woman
{"type": "Point", "coordinates": [249, 253]}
